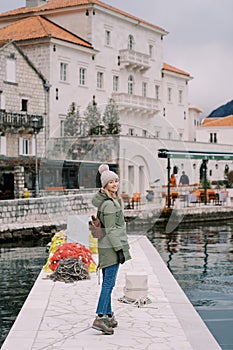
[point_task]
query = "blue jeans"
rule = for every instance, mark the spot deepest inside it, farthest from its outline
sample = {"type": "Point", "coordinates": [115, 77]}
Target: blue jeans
{"type": "Point", "coordinates": [104, 306]}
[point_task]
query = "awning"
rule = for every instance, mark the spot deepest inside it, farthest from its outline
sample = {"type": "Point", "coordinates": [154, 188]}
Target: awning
{"type": "Point", "coordinates": [168, 153]}
{"type": "Point", "coordinates": [205, 156]}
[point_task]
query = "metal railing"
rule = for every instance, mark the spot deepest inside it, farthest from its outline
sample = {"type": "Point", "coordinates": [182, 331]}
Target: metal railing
{"type": "Point", "coordinates": [18, 120]}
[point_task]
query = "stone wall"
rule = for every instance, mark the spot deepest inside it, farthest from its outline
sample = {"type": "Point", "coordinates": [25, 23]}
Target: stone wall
{"type": "Point", "coordinates": [53, 210]}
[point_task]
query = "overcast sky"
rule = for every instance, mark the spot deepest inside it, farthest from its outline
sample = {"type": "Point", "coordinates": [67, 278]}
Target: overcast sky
{"type": "Point", "coordinates": [200, 41]}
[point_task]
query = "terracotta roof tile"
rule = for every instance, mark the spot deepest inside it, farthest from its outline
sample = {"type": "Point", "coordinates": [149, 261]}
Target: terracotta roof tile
{"type": "Point", "coordinates": [224, 121]}
{"type": "Point", "coordinates": [174, 69]}
{"type": "Point", "coordinates": [207, 121]}
{"type": "Point", "coordinates": [37, 27]}
{"type": "Point", "coordinates": [59, 4]}
{"type": "Point", "coordinates": [3, 42]}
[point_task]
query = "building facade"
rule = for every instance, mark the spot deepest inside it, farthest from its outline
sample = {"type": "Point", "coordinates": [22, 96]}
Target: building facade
{"type": "Point", "coordinates": [22, 99]}
{"type": "Point", "coordinates": [90, 51]}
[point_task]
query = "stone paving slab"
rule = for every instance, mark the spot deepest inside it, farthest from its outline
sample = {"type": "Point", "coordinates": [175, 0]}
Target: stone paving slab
{"type": "Point", "coordinates": [58, 316]}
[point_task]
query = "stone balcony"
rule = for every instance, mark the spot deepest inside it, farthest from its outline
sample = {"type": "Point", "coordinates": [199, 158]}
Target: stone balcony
{"type": "Point", "coordinates": [136, 103]}
{"type": "Point", "coordinates": [18, 121]}
{"type": "Point", "coordinates": [134, 60]}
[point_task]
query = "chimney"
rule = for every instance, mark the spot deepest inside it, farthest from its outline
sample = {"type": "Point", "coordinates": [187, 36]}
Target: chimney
{"type": "Point", "coordinates": [35, 3]}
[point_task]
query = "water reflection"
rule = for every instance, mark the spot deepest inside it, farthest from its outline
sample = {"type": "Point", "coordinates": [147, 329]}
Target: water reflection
{"type": "Point", "coordinates": [173, 247]}
{"type": "Point", "coordinates": [200, 258]}
{"type": "Point", "coordinates": [171, 244]}
{"type": "Point", "coordinates": [20, 265]}
{"type": "Point", "coordinates": [205, 253]}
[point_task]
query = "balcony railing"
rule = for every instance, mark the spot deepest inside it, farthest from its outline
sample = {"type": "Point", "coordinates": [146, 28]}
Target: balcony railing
{"type": "Point", "coordinates": [141, 104]}
{"type": "Point", "coordinates": [134, 60]}
{"type": "Point", "coordinates": [15, 121]}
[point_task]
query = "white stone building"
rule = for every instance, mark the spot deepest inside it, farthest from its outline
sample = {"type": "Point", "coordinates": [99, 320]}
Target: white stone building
{"type": "Point", "coordinates": [92, 50]}
{"type": "Point", "coordinates": [216, 130]}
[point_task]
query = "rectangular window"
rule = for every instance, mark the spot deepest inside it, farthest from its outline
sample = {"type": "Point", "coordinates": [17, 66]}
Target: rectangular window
{"type": "Point", "coordinates": [2, 101]}
{"type": "Point", "coordinates": [180, 96]}
{"type": "Point", "coordinates": [169, 135]}
{"type": "Point", "coordinates": [107, 38]}
{"type": "Point", "coordinates": [115, 83]}
{"type": "Point", "coordinates": [82, 76]}
{"type": "Point", "coordinates": [144, 133]}
{"type": "Point", "coordinates": [3, 145]}
{"type": "Point", "coordinates": [11, 69]}
{"type": "Point", "coordinates": [131, 132]}
{"type": "Point", "coordinates": [144, 89]}
{"type": "Point", "coordinates": [131, 175]}
{"type": "Point", "coordinates": [157, 92]}
{"type": "Point", "coordinates": [62, 128]}
{"type": "Point", "coordinates": [169, 94]}
{"type": "Point", "coordinates": [100, 80]}
{"type": "Point", "coordinates": [180, 136]}
{"type": "Point", "coordinates": [215, 138]}
{"type": "Point", "coordinates": [24, 146]}
{"type": "Point", "coordinates": [130, 87]}
{"type": "Point", "coordinates": [156, 134]}
{"type": "Point", "coordinates": [24, 105]}
{"type": "Point", "coordinates": [63, 71]}
{"type": "Point", "coordinates": [151, 51]}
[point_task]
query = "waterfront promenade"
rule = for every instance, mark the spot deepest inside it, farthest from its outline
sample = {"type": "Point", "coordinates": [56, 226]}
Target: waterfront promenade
{"type": "Point", "coordinates": [58, 316]}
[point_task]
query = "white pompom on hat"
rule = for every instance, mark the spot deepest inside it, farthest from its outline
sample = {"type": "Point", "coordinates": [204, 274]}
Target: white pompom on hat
{"type": "Point", "coordinates": [106, 175]}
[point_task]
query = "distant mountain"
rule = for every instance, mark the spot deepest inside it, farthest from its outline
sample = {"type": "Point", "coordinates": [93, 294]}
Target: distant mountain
{"type": "Point", "coordinates": [222, 111]}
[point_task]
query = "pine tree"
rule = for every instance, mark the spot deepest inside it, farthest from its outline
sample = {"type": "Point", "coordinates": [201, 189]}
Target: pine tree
{"type": "Point", "coordinates": [111, 119]}
{"type": "Point", "coordinates": [72, 123]}
{"type": "Point", "coordinates": [93, 118]}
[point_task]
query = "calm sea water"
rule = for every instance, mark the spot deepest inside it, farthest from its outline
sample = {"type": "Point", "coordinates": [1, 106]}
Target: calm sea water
{"type": "Point", "coordinates": [20, 264]}
{"type": "Point", "coordinates": [200, 258]}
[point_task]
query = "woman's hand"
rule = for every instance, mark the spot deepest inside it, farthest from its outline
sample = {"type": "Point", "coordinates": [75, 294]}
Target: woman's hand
{"type": "Point", "coordinates": [120, 256]}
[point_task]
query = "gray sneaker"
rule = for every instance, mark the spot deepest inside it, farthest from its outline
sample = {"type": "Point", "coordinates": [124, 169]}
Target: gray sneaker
{"type": "Point", "coordinates": [102, 324]}
{"type": "Point", "coordinates": [112, 322]}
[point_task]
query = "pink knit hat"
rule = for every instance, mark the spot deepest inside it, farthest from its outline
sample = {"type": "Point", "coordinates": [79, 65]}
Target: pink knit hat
{"type": "Point", "coordinates": [106, 175]}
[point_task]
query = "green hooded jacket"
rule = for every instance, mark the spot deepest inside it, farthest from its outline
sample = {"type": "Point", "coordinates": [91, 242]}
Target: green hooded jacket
{"type": "Point", "coordinates": [112, 217]}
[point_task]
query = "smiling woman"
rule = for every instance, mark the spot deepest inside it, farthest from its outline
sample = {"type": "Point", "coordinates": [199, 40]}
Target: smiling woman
{"type": "Point", "coordinates": [113, 247]}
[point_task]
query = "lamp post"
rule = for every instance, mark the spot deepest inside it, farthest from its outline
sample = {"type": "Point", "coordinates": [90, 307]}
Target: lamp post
{"type": "Point", "coordinates": [35, 126]}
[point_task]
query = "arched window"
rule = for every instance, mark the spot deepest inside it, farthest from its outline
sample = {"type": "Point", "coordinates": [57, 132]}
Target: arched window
{"type": "Point", "coordinates": [130, 42]}
{"type": "Point", "coordinates": [130, 85]}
